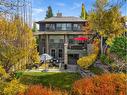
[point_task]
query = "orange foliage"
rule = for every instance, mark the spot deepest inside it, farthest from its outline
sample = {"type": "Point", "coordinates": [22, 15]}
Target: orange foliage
{"type": "Point", "coordinates": [40, 90]}
{"type": "Point", "coordinates": [107, 84]}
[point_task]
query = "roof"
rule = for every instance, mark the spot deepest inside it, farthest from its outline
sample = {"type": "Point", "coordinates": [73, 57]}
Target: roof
{"type": "Point", "coordinates": [63, 19]}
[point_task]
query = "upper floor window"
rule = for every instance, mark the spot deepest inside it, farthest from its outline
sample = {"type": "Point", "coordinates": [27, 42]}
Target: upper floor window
{"type": "Point", "coordinates": [76, 26]}
{"type": "Point", "coordinates": [50, 26]}
{"type": "Point", "coordinates": [69, 26]}
{"type": "Point", "coordinates": [63, 26]}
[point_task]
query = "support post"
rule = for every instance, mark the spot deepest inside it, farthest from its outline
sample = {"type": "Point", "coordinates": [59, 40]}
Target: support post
{"type": "Point", "coordinates": [65, 50]}
{"type": "Point", "coordinates": [47, 44]}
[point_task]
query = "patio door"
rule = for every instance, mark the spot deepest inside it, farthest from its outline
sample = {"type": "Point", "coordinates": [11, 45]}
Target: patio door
{"type": "Point", "coordinates": [72, 58]}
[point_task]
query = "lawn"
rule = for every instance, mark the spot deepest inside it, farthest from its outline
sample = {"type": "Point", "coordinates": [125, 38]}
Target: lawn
{"type": "Point", "coordinates": [57, 80]}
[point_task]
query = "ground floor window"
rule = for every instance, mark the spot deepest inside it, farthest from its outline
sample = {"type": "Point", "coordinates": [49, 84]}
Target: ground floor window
{"type": "Point", "coordinates": [43, 50]}
{"type": "Point", "coordinates": [53, 51]}
{"type": "Point", "coordinates": [60, 53]}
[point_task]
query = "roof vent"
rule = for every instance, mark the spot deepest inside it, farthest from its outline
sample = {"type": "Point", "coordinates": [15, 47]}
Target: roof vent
{"type": "Point", "coordinates": [59, 14]}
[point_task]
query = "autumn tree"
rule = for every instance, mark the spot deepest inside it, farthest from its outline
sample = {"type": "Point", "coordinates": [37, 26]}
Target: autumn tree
{"type": "Point", "coordinates": [107, 21]}
{"type": "Point", "coordinates": [17, 45]}
{"type": "Point", "coordinates": [49, 12]}
{"type": "Point", "coordinates": [83, 12]}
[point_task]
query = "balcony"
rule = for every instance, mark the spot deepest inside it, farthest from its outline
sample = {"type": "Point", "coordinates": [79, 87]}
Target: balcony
{"type": "Point", "coordinates": [58, 32]}
{"type": "Point", "coordinates": [77, 47]}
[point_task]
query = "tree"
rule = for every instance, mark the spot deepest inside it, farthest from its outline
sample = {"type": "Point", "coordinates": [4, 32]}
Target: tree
{"type": "Point", "coordinates": [34, 29]}
{"type": "Point", "coordinates": [107, 21]}
{"type": "Point", "coordinates": [83, 12]}
{"type": "Point", "coordinates": [17, 45]}
{"type": "Point", "coordinates": [49, 12]}
{"type": "Point", "coordinates": [119, 47]}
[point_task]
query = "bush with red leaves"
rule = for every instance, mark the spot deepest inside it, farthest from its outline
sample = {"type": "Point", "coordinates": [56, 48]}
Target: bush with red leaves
{"type": "Point", "coordinates": [40, 90]}
{"type": "Point", "coordinates": [107, 84]}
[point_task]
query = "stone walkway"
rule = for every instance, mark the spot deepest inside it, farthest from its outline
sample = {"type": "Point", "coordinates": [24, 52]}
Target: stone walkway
{"type": "Point", "coordinates": [102, 66]}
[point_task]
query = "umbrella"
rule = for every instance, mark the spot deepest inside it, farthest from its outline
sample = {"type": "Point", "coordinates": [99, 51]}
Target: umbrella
{"type": "Point", "coordinates": [80, 38]}
{"type": "Point", "coordinates": [45, 57]}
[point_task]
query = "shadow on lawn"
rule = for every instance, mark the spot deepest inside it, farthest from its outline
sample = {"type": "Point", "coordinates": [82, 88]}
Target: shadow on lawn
{"type": "Point", "coordinates": [55, 80]}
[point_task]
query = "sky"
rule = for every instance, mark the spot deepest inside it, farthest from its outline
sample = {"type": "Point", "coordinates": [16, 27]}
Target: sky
{"type": "Point", "coordinates": [66, 7]}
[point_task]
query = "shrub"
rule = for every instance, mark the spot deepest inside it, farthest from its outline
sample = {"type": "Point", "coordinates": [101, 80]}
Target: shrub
{"type": "Point", "coordinates": [40, 90]}
{"type": "Point", "coordinates": [18, 75]}
{"type": "Point", "coordinates": [119, 47]}
{"type": "Point", "coordinates": [3, 73]}
{"type": "Point", "coordinates": [13, 87]}
{"type": "Point", "coordinates": [105, 59]}
{"type": "Point", "coordinates": [86, 61]}
{"type": "Point", "coordinates": [107, 84]}
{"type": "Point", "coordinates": [2, 85]}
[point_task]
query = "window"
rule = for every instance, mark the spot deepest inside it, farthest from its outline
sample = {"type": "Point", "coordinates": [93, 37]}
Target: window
{"type": "Point", "coordinates": [59, 26]}
{"type": "Point", "coordinates": [50, 27]}
{"type": "Point", "coordinates": [76, 27]}
{"type": "Point", "coordinates": [44, 51]}
{"type": "Point", "coordinates": [63, 26]}
{"type": "Point", "coordinates": [60, 53]}
{"type": "Point", "coordinates": [53, 53]}
{"type": "Point", "coordinates": [69, 26]}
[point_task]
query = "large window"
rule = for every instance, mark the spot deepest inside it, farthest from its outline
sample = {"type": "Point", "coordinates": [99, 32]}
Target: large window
{"type": "Point", "coordinates": [53, 53]}
{"type": "Point", "coordinates": [63, 26]}
{"type": "Point", "coordinates": [60, 53]}
{"type": "Point", "coordinates": [76, 27]}
{"type": "Point", "coordinates": [69, 26]}
{"type": "Point", "coordinates": [50, 27]}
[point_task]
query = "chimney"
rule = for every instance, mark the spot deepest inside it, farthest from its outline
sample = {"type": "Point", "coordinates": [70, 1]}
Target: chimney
{"type": "Point", "coordinates": [59, 14]}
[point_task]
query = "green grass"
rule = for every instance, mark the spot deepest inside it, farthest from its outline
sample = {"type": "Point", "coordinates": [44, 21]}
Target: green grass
{"type": "Point", "coordinates": [57, 80]}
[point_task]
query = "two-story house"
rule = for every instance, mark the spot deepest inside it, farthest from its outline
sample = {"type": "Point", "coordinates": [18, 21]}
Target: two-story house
{"type": "Point", "coordinates": [56, 37]}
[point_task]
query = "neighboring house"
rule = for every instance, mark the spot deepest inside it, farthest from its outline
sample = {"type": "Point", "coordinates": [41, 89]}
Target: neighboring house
{"type": "Point", "coordinates": [56, 38]}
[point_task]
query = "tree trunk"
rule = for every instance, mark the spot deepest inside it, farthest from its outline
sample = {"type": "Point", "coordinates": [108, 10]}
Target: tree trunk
{"type": "Point", "coordinates": [101, 45]}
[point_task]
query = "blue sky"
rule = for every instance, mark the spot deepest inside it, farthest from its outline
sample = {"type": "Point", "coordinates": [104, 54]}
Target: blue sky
{"type": "Point", "coordinates": [67, 7]}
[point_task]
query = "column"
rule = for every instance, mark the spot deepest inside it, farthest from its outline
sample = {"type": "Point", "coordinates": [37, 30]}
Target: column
{"type": "Point", "coordinates": [47, 43]}
{"type": "Point", "coordinates": [40, 44]}
{"type": "Point", "coordinates": [65, 50]}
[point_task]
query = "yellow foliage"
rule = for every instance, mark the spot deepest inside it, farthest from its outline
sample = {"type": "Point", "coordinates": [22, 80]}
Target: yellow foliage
{"type": "Point", "coordinates": [86, 61]}
{"type": "Point", "coordinates": [17, 44]}
{"type": "Point", "coordinates": [14, 87]}
{"type": "Point", "coordinates": [3, 73]}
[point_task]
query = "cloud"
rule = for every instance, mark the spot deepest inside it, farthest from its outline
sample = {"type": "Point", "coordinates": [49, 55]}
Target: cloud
{"type": "Point", "coordinates": [60, 4]}
{"type": "Point", "coordinates": [76, 5]}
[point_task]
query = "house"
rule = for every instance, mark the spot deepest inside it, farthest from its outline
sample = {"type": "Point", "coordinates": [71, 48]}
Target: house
{"type": "Point", "coordinates": [56, 37]}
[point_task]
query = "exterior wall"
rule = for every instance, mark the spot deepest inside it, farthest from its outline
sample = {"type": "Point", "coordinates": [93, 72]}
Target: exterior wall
{"type": "Point", "coordinates": [57, 41]}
